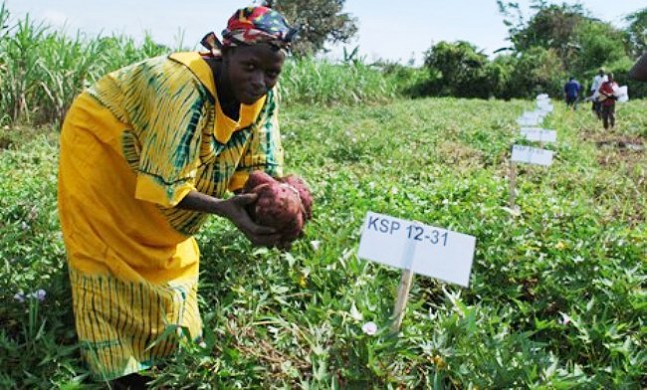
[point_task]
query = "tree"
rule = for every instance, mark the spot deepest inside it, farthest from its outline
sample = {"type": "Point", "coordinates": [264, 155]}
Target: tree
{"type": "Point", "coordinates": [461, 68]}
{"type": "Point", "coordinates": [552, 27]}
{"type": "Point", "coordinates": [537, 70]}
{"type": "Point", "coordinates": [599, 43]}
{"type": "Point", "coordinates": [581, 42]}
{"type": "Point", "coordinates": [637, 32]}
{"type": "Point", "coordinates": [321, 21]}
{"type": "Point", "coordinates": [500, 73]}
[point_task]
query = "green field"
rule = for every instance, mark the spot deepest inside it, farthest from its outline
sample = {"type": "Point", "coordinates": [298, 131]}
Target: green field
{"type": "Point", "coordinates": [557, 294]}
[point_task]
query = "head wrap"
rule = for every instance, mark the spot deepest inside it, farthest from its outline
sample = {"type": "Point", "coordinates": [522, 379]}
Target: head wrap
{"type": "Point", "coordinates": [253, 25]}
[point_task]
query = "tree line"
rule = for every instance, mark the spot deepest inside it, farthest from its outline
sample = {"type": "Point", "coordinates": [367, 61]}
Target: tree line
{"type": "Point", "coordinates": [553, 44]}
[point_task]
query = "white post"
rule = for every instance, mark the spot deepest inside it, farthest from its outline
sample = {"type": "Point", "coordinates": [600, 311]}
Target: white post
{"type": "Point", "coordinates": [405, 284]}
{"type": "Point", "coordinates": [403, 297]}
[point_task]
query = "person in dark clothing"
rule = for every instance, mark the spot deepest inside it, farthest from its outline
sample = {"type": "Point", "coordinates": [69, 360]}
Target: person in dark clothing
{"type": "Point", "coordinates": [571, 92]}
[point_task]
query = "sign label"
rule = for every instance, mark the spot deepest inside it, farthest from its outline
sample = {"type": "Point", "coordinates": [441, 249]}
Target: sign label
{"type": "Point", "coordinates": [531, 118]}
{"type": "Point", "coordinates": [426, 250]}
{"type": "Point", "coordinates": [539, 134]}
{"type": "Point", "coordinates": [529, 155]}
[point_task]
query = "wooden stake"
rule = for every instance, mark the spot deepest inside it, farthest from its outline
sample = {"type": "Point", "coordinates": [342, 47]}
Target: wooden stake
{"type": "Point", "coordinates": [512, 176]}
{"type": "Point", "coordinates": [403, 296]}
{"type": "Point", "coordinates": [405, 283]}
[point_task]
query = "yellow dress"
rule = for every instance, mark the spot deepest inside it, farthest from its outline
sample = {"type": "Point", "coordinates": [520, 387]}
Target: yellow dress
{"type": "Point", "coordinates": [132, 146]}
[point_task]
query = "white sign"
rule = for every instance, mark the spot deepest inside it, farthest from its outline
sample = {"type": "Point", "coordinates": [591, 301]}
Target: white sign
{"type": "Point", "coordinates": [539, 134]}
{"type": "Point", "coordinates": [531, 118]}
{"type": "Point", "coordinates": [546, 107]}
{"type": "Point", "coordinates": [526, 121]}
{"type": "Point", "coordinates": [426, 250]}
{"type": "Point", "coordinates": [531, 115]}
{"type": "Point", "coordinates": [529, 155]}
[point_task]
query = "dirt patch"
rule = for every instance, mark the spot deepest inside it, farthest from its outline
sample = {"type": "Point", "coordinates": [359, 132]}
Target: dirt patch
{"type": "Point", "coordinates": [630, 145]}
{"type": "Point", "coordinates": [460, 155]}
{"type": "Point", "coordinates": [615, 149]}
{"type": "Point", "coordinates": [5, 142]}
{"type": "Point", "coordinates": [613, 140]}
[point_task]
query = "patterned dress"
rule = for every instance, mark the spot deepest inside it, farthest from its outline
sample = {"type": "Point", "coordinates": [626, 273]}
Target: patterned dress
{"type": "Point", "coordinates": [132, 146]}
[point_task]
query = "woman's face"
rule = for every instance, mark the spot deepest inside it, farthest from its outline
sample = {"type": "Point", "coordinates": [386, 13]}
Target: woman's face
{"type": "Point", "coordinates": [253, 70]}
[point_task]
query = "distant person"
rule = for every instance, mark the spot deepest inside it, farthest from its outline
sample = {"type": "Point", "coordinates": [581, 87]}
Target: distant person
{"type": "Point", "coordinates": [572, 91]}
{"type": "Point", "coordinates": [608, 101]}
{"type": "Point", "coordinates": [599, 78]}
{"type": "Point", "coordinates": [639, 70]}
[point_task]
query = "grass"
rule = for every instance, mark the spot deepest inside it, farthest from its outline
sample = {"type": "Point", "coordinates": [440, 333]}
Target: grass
{"type": "Point", "coordinates": [557, 293]}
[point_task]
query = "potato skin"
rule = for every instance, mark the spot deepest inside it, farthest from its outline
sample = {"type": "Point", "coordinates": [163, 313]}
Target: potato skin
{"type": "Point", "coordinates": [304, 192]}
{"type": "Point", "coordinates": [278, 204]}
{"type": "Point", "coordinates": [257, 178]}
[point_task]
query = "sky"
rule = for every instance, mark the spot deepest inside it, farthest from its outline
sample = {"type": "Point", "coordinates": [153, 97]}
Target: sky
{"type": "Point", "coordinates": [390, 30]}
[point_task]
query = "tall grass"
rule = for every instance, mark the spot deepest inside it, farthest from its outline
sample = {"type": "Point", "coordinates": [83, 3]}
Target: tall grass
{"type": "Point", "coordinates": [312, 81]}
{"type": "Point", "coordinates": [43, 69]}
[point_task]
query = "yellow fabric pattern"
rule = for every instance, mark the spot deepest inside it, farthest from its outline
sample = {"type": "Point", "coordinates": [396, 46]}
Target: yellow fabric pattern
{"type": "Point", "coordinates": [132, 146]}
{"type": "Point", "coordinates": [111, 342]}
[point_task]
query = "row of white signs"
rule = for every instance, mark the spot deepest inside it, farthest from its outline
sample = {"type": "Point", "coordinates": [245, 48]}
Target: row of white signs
{"type": "Point", "coordinates": [528, 154]}
{"type": "Point", "coordinates": [435, 251]}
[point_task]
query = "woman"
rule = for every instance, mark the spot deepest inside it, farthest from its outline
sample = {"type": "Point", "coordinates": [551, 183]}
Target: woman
{"type": "Point", "coordinates": [147, 153]}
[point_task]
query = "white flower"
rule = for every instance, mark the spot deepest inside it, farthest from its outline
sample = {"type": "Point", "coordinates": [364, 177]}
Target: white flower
{"type": "Point", "coordinates": [315, 244]}
{"type": "Point", "coordinates": [565, 318]}
{"type": "Point", "coordinates": [370, 328]}
{"type": "Point", "coordinates": [39, 294]}
{"type": "Point", "coordinates": [355, 314]}
{"type": "Point", "coordinates": [20, 297]}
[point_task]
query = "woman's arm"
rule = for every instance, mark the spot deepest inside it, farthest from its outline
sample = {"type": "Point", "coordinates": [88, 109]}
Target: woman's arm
{"type": "Point", "coordinates": [234, 210]}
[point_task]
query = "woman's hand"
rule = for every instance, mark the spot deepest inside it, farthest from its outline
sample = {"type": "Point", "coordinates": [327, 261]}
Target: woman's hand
{"type": "Point", "coordinates": [235, 210]}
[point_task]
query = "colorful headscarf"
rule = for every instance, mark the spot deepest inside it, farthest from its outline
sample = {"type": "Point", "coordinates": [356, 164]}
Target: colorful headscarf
{"type": "Point", "coordinates": [252, 25]}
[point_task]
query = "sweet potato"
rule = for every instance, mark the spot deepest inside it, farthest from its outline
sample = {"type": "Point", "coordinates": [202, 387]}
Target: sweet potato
{"type": "Point", "coordinates": [285, 204]}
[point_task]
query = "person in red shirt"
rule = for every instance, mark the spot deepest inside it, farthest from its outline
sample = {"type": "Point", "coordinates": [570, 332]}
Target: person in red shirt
{"type": "Point", "coordinates": [608, 99]}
